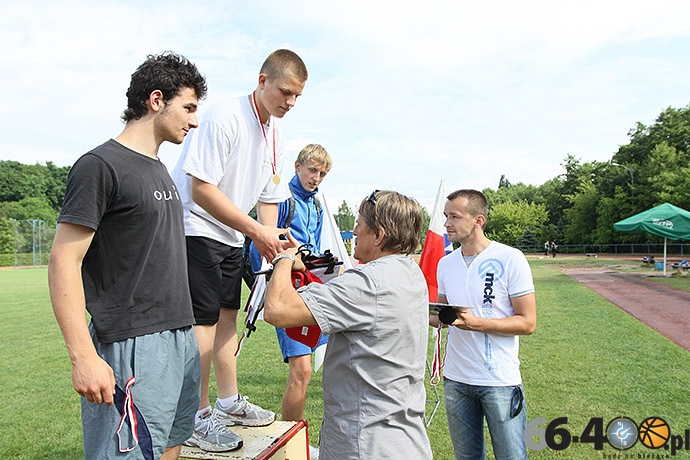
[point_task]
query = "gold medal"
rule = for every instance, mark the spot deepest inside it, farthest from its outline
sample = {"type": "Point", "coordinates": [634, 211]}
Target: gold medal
{"type": "Point", "coordinates": [276, 179]}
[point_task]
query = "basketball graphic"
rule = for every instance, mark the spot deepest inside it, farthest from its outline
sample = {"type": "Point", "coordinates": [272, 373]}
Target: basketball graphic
{"type": "Point", "coordinates": [654, 432]}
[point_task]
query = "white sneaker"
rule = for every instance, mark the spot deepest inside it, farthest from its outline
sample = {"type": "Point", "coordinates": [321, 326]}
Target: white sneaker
{"type": "Point", "coordinates": [313, 453]}
{"type": "Point", "coordinates": [212, 436]}
{"type": "Point", "coordinates": [244, 413]}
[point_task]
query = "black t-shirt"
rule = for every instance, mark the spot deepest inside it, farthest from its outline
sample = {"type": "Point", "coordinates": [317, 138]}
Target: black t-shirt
{"type": "Point", "coordinates": [135, 271]}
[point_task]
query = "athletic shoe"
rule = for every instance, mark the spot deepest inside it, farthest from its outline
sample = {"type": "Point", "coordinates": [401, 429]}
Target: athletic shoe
{"type": "Point", "coordinates": [244, 413]}
{"type": "Point", "coordinates": [313, 453]}
{"type": "Point", "coordinates": [212, 436]}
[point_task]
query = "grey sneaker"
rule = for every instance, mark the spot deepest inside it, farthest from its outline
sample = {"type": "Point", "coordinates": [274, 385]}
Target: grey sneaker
{"type": "Point", "coordinates": [244, 413]}
{"type": "Point", "coordinates": [212, 436]}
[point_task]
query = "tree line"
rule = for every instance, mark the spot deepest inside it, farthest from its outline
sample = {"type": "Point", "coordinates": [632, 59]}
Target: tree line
{"type": "Point", "coordinates": [581, 205]}
{"type": "Point", "coordinates": [29, 192]}
{"type": "Point", "coordinates": [578, 206]}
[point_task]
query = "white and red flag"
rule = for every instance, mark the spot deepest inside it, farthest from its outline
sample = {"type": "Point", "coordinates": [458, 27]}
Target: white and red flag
{"type": "Point", "coordinates": [436, 245]}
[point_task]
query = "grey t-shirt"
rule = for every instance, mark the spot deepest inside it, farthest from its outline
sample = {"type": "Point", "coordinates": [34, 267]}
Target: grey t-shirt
{"type": "Point", "coordinates": [373, 380]}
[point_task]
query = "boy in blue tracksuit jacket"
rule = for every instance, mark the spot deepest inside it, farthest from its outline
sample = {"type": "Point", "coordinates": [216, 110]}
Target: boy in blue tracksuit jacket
{"type": "Point", "coordinates": [302, 214]}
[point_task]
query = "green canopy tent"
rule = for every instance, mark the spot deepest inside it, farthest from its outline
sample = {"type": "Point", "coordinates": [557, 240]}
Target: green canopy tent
{"type": "Point", "coordinates": [664, 220]}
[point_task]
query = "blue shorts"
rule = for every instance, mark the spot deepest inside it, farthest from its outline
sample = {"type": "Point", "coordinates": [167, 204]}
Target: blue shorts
{"type": "Point", "coordinates": [166, 392]}
{"type": "Point", "coordinates": [291, 347]}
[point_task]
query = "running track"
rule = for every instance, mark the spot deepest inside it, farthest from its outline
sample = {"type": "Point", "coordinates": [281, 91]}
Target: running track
{"type": "Point", "coordinates": [663, 308]}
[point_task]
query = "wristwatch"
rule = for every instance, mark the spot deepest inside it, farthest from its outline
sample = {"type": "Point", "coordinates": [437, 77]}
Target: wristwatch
{"type": "Point", "coordinates": [284, 256]}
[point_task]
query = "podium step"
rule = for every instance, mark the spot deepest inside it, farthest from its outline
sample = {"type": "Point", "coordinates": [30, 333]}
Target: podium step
{"type": "Point", "coordinates": [277, 441]}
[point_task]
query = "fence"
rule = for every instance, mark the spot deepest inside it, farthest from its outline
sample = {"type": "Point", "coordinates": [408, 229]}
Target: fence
{"type": "Point", "coordinates": [31, 243]}
{"type": "Point", "coordinates": [674, 249]}
{"type": "Point", "coordinates": [32, 240]}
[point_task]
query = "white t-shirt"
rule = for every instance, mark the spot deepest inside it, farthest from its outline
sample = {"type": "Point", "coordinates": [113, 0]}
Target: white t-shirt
{"type": "Point", "coordinates": [229, 150]}
{"type": "Point", "coordinates": [487, 284]}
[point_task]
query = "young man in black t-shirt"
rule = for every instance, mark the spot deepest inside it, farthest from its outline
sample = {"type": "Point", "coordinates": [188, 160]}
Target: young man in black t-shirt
{"type": "Point", "coordinates": [119, 253]}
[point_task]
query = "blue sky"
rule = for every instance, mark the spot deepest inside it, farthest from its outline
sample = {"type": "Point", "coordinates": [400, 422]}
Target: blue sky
{"type": "Point", "coordinates": [402, 94]}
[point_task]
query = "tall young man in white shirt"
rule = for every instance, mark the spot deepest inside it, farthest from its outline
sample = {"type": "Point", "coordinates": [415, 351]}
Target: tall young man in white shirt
{"type": "Point", "coordinates": [230, 164]}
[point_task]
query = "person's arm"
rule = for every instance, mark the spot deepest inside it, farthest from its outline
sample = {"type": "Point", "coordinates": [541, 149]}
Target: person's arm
{"type": "Point", "coordinates": [267, 214]}
{"type": "Point", "coordinates": [433, 319]}
{"type": "Point", "coordinates": [283, 307]}
{"type": "Point", "coordinates": [266, 238]}
{"type": "Point", "coordinates": [523, 322]}
{"type": "Point", "coordinates": [92, 377]}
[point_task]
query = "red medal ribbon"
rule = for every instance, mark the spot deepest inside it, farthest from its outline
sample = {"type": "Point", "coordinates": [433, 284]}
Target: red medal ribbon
{"type": "Point", "coordinates": [263, 130]}
{"type": "Point", "coordinates": [439, 358]}
{"type": "Point", "coordinates": [128, 412]}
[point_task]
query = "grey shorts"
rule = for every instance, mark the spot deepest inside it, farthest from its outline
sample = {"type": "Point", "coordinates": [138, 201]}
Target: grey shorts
{"type": "Point", "coordinates": [166, 392]}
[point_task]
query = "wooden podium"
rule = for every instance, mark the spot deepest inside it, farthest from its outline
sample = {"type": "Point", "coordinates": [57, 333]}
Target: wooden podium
{"type": "Point", "coordinates": [277, 441]}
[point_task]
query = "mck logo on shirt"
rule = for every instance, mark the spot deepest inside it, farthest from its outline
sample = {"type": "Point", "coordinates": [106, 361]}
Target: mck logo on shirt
{"type": "Point", "coordinates": [491, 270]}
{"type": "Point", "coordinates": [491, 266]}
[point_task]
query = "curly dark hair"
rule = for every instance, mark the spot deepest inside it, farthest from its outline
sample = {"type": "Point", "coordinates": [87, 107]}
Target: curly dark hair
{"type": "Point", "coordinates": [167, 72]}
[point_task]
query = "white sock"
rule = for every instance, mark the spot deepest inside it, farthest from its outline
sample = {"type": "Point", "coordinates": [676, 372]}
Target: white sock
{"type": "Point", "coordinates": [227, 403]}
{"type": "Point", "coordinates": [201, 413]}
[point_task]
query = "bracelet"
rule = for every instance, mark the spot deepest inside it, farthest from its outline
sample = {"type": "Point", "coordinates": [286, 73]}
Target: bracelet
{"type": "Point", "coordinates": [284, 256]}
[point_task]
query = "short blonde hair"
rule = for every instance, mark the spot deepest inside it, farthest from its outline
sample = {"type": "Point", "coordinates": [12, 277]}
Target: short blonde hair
{"type": "Point", "coordinates": [317, 154]}
{"type": "Point", "coordinates": [399, 216]}
{"type": "Point", "coordinates": [282, 63]}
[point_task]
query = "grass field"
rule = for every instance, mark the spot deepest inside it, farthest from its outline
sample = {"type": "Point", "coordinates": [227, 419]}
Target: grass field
{"type": "Point", "coordinates": [588, 361]}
